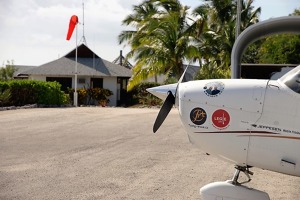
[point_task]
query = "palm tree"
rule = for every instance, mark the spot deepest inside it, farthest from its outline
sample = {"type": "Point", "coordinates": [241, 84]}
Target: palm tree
{"type": "Point", "coordinates": [141, 15]}
{"type": "Point", "coordinates": [161, 41]}
{"type": "Point", "coordinates": [219, 33]}
{"type": "Point", "coordinates": [165, 36]}
{"type": "Point", "coordinates": [248, 15]}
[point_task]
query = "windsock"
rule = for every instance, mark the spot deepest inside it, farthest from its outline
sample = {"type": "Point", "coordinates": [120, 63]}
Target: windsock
{"type": "Point", "coordinates": [73, 23]}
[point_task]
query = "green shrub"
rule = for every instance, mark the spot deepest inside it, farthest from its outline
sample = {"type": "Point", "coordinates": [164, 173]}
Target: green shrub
{"type": "Point", "coordinates": [82, 96]}
{"type": "Point", "coordinates": [4, 85]}
{"type": "Point", "coordinates": [100, 95]}
{"type": "Point", "coordinates": [5, 96]}
{"type": "Point", "coordinates": [142, 96]}
{"type": "Point", "coordinates": [34, 92]}
{"type": "Point", "coordinates": [90, 95]}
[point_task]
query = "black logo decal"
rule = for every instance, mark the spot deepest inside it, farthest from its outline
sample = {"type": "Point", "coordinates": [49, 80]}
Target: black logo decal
{"type": "Point", "coordinates": [198, 116]}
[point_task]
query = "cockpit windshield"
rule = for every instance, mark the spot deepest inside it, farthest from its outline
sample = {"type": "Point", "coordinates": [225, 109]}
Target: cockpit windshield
{"type": "Point", "coordinates": [292, 79]}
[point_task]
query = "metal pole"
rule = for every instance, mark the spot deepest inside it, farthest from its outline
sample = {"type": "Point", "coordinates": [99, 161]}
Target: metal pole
{"type": "Point", "coordinates": [75, 84]}
{"type": "Point", "coordinates": [83, 37]}
{"type": "Point", "coordinates": [238, 19]}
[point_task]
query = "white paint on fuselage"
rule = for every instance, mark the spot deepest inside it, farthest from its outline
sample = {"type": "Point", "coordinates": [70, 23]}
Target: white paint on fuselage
{"type": "Point", "coordinates": [263, 122]}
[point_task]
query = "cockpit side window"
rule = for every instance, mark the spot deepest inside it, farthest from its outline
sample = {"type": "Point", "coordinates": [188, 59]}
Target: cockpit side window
{"type": "Point", "coordinates": [292, 79]}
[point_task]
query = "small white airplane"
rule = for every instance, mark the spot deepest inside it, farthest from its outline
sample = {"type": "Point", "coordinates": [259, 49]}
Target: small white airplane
{"type": "Point", "coordinates": [250, 123]}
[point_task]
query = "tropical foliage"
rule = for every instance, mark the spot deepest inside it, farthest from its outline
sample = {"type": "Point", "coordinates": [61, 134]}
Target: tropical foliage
{"type": "Point", "coordinates": [161, 41]}
{"type": "Point", "coordinates": [5, 96]}
{"type": "Point", "coordinates": [141, 96]}
{"type": "Point", "coordinates": [7, 72]}
{"type": "Point", "coordinates": [22, 92]}
{"type": "Point", "coordinates": [217, 37]}
{"type": "Point", "coordinates": [166, 34]}
{"type": "Point", "coordinates": [89, 96]}
{"type": "Point", "coordinates": [281, 48]}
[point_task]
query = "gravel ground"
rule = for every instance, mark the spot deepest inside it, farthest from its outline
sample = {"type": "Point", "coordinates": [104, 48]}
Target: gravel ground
{"type": "Point", "coordinates": [110, 153]}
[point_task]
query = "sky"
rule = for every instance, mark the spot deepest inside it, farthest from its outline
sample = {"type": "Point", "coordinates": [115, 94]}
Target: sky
{"type": "Point", "coordinates": [33, 32]}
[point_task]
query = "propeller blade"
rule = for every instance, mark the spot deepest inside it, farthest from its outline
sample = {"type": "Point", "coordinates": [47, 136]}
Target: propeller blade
{"type": "Point", "coordinates": [161, 92]}
{"type": "Point", "coordinates": [164, 111]}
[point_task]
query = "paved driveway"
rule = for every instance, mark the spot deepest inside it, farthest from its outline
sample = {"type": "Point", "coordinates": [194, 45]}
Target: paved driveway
{"type": "Point", "coordinates": [110, 153]}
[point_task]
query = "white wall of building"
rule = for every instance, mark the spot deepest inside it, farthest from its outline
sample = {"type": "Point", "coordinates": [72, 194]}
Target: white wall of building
{"type": "Point", "coordinates": [36, 77]}
{"type": "Point", "coordinates": [110, 83]}
{"type": "Point", "coordinates": [80, 84]}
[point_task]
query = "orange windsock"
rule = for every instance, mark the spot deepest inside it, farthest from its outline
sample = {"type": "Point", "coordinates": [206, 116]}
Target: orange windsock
{"type": "Point", "coordinates": [73, 22]}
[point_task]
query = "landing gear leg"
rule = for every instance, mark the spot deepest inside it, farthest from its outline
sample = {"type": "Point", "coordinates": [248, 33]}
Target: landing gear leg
{"type": "Point", "coordinates": [245, 170]}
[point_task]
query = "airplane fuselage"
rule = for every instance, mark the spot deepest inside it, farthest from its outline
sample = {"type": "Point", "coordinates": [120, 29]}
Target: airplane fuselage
{"type": "Point", "coordinates": [248, 122]}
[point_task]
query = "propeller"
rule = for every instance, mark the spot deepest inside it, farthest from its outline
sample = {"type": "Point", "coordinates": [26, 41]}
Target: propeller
{"type": "Point", "coordinates": [160, 92]}
{"type": "Point", "coordinates": [164, 111]}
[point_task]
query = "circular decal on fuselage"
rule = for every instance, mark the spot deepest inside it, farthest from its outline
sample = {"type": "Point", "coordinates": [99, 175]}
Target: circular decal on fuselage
{"type": "Point", "coordinates": [213, 89]}
{"type": "Point", "coordinates": [220, 119]}
{"type": "Point", "coordinates": [198, 116]}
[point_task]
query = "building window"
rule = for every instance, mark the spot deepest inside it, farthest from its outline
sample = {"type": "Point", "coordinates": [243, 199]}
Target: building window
{"type": "Point", "coordinates": [96, 83]}
{"type": "Point", "coordinates": [81, 81]}
{"type": "Point", "coordinates": [65, 82]}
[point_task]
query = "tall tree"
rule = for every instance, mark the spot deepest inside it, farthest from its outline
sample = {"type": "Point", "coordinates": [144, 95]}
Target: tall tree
{"type": "Point", "coordinates": [7, 72]}
{"type": "Point", "coordinates": [161, 41]}
{"type": "Point", "coordinates": [219, 35]}
{"type": "Point", "coordinates": [281, 48]}
{"type": "Point", "coordinates": [165, 36]}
